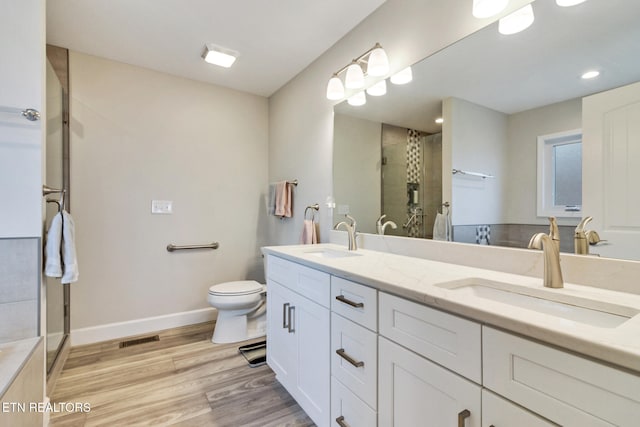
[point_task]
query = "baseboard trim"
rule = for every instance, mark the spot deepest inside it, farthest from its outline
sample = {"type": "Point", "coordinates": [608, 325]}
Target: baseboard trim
{"type": "Point", "coordinates": [129, 328]}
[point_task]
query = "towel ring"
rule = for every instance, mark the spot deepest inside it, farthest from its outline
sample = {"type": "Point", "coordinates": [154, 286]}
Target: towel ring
{"type": "Point", "coordinates": [314, 209]}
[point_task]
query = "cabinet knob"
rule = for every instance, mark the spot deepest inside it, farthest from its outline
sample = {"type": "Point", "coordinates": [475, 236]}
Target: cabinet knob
{"type": "Point", "coordinates": [340, 421]}
{"type": "Point", "coordinates": [342, 299]}
{"type": "Point", "coordinates": [462, 416]}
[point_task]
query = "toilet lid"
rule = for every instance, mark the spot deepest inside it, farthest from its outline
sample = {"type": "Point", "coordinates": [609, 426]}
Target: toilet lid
{"type": "Point", "coordinates": [242, 287]}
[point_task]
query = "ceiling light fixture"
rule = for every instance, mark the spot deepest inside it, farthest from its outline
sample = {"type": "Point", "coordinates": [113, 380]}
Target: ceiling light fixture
{"type": "Point", "coordinates": [488, 8]}
{"type": "Point", "coordinates": [378, 89]}
{"type": "Point", "coordinates": [591, 74]}
{"type": "Point", "coordinates": [402, 77]}
{"type": "Point", "coordinates": [358, 99]}
{"type": "Point", "coordinates": [220, 56]}
{"type": "Point", "coordinates": [517, 21]}
{"type": "Point", "coordinates": [373, 62]}
{"type": "Point", "coordinates": [567, 3]}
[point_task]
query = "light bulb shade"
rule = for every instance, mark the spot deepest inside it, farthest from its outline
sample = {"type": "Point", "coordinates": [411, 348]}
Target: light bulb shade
{"type": "Point", "coordinates": [355, 77]}
{"type": "Point", "coordinates": [517, 21]}
{"type": "Point", "coordinates": [402, 77]}
{"type": "Point", "coordinates": [378, 64]}
{"type": "Point", "coordinates": [378, 89]}
{"type": "Point", "coordinates": [335, 89]}
{"type": "Point", "coordinates": [567, 3]}
{"type": "Point", "coordinates": [488, 8]}
{"type": "Point", "coordinates": [358, 99]}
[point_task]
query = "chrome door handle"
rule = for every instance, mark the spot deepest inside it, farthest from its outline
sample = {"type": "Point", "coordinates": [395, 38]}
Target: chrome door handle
{"type": "Point", "coordinates": [345, 356]}
{"type": "Point", "coordinates": [462, 416]}
{"type": "Point", "coordinates": [291, 326]}
{"type": "Point", "coordinates": [340, 421]}
{"type": "Point", "coordinates": [341, 298]}
{"type": "Point", "coordinates": [285, 312]}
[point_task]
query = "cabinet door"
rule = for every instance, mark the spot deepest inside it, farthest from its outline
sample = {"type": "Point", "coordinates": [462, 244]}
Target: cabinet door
{"type": "Point", "coordinates": [312, 330]}
{"type": "Point", "coordinates": [347, 409]}
{"type": "Point", "coordinates": [498, 412]}
{"type": "Point", "coordinates": [281, 351]}
{"type": "Point", "coordinates": [416, 392]}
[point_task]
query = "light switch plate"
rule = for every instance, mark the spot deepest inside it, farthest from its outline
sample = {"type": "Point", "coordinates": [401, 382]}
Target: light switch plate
{"type": "Point", "coordinates": [162, 207]}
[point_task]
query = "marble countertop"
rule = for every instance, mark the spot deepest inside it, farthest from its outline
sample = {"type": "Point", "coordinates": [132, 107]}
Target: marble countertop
{"type": "Point", "coordinates": [434, 283]}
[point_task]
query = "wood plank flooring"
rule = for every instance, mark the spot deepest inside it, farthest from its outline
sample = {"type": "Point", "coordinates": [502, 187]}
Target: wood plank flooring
{"type": "Point", "coordinates": [183, 380]}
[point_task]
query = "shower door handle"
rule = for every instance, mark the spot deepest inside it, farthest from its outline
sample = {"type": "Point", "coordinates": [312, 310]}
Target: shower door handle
{"type": "Point", "coordinates": [285, 312]}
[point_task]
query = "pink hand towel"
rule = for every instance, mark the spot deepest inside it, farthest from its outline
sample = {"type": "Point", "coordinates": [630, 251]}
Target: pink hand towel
{"type": "Point", "coordinates": [309, 232]}
{"type": "Point", "coordinates": [283, 199]}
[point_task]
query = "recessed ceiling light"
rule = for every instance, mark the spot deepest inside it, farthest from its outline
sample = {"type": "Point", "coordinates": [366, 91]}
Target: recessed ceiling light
{"type": "Point", "coordinates": [591, 74]}
{"type": "Point", "coordinates": [220, 56]}
{"type": "Point", "coordinates": [439, 120]}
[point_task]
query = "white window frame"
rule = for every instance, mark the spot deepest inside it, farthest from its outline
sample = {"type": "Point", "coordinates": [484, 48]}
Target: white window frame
{"type": "Point", "coordinates": [546, 176]}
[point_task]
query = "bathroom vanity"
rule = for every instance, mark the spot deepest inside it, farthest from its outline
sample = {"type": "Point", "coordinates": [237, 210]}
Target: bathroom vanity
{"type": "Point", "coordinates": [365, 338]}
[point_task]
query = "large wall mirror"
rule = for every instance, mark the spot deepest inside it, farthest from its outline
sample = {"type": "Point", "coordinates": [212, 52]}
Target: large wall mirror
{"type": "Point", "coordinates": [498, 96]}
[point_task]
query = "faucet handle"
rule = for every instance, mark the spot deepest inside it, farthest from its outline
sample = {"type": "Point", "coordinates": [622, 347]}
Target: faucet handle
{"type": "Point", "coordinates": [583, 224]}
{"type": "Point", "coordinates": [352, 219]}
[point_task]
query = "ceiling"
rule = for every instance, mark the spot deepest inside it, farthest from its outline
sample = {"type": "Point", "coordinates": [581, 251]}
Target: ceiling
{"type": "Point", "coordinates": [276, 39]}
{"type": "Point", "coordinates": [540, 66]}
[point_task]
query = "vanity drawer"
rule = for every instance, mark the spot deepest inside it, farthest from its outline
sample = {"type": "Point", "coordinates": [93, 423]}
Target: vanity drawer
{"type": "Point", "coordinates": [448, 340]}
{"type": "Point", "coordinates": [355, 302]}
{"type": "Point", "coordinates": [308, 282]}
{"type": "Point", "coordinates": [347, 409]}
{"type": "Point", "coordinates": [357, 364]}
{"type": "Point", "coordinates": [497, 411]}
{"type": "Point", "coordinates": [562, 387]}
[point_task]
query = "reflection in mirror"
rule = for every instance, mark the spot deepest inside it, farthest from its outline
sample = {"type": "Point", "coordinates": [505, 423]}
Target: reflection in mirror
{"type": "Point", "coordinates": [497, 95]}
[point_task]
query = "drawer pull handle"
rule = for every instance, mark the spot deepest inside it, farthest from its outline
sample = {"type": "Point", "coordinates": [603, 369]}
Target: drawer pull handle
{"type": "Point", "coordinates": [345, 356]}
{"type": "Point", "coordinates": [341, 298]}
{"type": "Point", "coordinates": [463, 416]}
{"type": "Point", "coordinates": [340, 421]}
{"type": "Point", "coordinates": [285, 311]}
{"type": "Point", "coordinates": [292, 326]}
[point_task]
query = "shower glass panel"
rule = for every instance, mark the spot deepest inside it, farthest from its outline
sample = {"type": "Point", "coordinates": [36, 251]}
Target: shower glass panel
{"type": "Point", "coordinates": [54, 178]}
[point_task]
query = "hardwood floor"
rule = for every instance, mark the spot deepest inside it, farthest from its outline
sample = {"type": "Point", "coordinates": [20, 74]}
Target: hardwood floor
{"type": "Point", "coordinates": [183, 379]}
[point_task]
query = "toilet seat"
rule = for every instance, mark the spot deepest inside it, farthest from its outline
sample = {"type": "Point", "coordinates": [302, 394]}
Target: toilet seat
{"type": "Point", "coordinates": [241, 287]}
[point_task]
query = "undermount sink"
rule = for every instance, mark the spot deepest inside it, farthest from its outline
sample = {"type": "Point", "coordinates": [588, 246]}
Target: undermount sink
{"type": "Point", "coordinates": [332, 253]}
{"type": "Point", "coordinates": [551, 302]}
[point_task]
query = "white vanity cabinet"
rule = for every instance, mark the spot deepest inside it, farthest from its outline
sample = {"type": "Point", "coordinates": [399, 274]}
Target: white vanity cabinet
{"type": "Point", "coordinates": [562, 387]}
{"type": "Point", "coordinates": [298, 334]}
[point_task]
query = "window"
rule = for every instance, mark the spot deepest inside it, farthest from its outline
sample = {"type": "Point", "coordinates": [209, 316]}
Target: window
{"type": "Point", "coordinates": [560, 174]}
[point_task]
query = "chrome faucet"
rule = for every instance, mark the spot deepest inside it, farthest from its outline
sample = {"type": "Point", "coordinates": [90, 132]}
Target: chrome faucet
{"type": "Point", "coordinates": [351, 231]}
{"type": "Point", "coordinates": [552, 273]}
{"type": "Point", "coordinates": [380, 227]}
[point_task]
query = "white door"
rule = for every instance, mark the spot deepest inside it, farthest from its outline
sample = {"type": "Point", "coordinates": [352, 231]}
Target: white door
{"type": "Point", "coordinates": [611, 169]}
{"type": "Point", "coordinates": [414, 391]}
{"type": "Point", "coordinates": [313, 380]}
{"type": "Point", "coordinates": [281, 351]}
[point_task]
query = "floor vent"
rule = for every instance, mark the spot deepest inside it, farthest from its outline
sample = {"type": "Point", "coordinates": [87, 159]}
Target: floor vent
{"type": "Point", "coordinates": [137, 341]}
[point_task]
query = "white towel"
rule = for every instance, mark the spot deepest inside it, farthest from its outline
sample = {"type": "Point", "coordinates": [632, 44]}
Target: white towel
{"type": "Point", "coordinates": [69, 257]}
{"type": "Point", "coordinates": [441, 227]}
{"type": "Point", "coordinates": [53, 264]}
{"type": "Point", "coordinates": [309, 232]}
{"type": "Point", "coordinates": [60, 249]}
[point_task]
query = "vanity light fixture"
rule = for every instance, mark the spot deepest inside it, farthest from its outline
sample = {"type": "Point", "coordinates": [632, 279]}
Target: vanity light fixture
{"type": "Point", "coordinates": [373, 62]}
{"type": "Point", "coordinates": [378, 89]}
{"type": "Point", "coordinates": [590, 75]}
{"type": "Point", "coordinates": [220, 56]}
{"type": "Point", "coordinates": [358, 99]}
{"type": "Point", "coordinates": [517, 21]}
{"type": "Point", "coordinates": [402, 77]}
{"type": "Point", "coordinates": [567, 3]}
{"type": "Point", "coordinates": [488, 8]}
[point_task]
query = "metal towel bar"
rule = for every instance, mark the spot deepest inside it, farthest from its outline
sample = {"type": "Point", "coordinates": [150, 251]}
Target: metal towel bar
{"type": "Point", "coordinates": [171, 247]}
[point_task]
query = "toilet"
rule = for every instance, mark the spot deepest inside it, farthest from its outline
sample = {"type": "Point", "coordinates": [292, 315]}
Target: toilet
{"type": "Point", "coordinates": [241, 309]}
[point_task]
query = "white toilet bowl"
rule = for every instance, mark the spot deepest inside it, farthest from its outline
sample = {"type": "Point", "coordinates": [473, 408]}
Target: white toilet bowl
{"type": "Point", "coordinates": [241, 309]}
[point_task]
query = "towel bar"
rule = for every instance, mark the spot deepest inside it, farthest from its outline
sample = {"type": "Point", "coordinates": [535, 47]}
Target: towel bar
{"type": "Point", "coordinates": [171, 247]}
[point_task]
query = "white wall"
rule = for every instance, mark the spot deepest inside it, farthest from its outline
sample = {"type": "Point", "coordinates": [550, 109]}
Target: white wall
{"type": "Point", "coordinates": [22, 86]}
{"type": "Point", "coordinates": [357, 148]}
{"type": "Point", "coordinates": [523, 130]}
{"type": "Point", "coordinates": [478, 143]}
{"type": "Point", "coordinates": [301, 118]}
{"type": "Point", "coordinates": [138, 135]}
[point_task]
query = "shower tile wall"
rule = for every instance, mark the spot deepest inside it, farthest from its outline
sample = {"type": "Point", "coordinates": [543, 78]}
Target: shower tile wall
{"type": "Point", "coordinates": [394, 177]}
{"type": "Point", "coordinates": [19, 283]}
{"type": "Point", "coordinates": [432, 189]}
